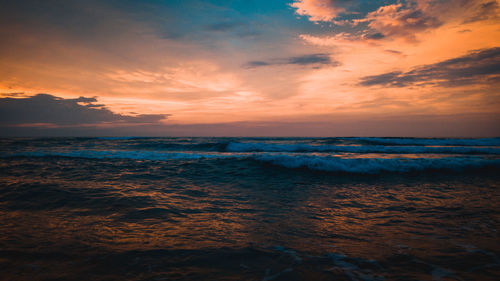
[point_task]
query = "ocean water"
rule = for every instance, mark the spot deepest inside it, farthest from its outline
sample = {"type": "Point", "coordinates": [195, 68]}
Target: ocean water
{"type": "Point", "coordinates": [249, 209]}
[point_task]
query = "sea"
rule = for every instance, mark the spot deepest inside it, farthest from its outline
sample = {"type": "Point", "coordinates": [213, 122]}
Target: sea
{"type": "Point", "coordinates": [359, 208]}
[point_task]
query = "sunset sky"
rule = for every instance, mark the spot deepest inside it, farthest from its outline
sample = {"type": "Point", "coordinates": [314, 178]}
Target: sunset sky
{"type": "Point", "coordinates": [250, 68]}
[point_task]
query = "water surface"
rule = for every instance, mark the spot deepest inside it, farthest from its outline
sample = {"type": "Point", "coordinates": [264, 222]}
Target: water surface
{"type": "Point", "coordinates": [249, 209]}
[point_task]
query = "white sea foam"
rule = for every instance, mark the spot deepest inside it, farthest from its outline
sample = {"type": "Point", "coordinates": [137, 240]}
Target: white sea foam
{"type": "Point", "coordinates": [290, 160]}
{"type": "Point", "coordinates": [273, 147]}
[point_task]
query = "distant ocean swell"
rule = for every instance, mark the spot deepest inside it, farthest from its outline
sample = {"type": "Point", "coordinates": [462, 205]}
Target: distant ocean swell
{"type": "Point", "coordinates": [398, 146]}
{"type": "Point", "coordinates": [324, 163]}
{"type": "Point", "coordinates": [347, 145]}
{"type": "Point", "coordinates": [267, 147]}
{"type": "Point", "coordinates": [426, 141]}
{"type": "Point", "coordinates": [359, 140]}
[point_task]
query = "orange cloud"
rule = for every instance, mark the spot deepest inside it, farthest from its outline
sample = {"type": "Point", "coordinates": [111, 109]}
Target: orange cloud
{"type": "Point", "coordinates": [402, 20]}
{"type": "Point", "coordinates": [397, 20]}
{"type": "Point", "coordinates": [318, 10]}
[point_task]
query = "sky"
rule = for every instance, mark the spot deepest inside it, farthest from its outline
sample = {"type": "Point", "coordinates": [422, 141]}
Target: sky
{"type": "Point", "coordinates": [414, 68]}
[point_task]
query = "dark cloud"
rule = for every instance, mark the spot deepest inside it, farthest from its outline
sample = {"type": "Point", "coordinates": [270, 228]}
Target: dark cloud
{"type": "Point", "coordinates": [257, 63]}
{"type": "Point", "coordinates": [485, 11]}
{"type": "Point", "coordinates": [310, 59]}
{"type": "Point", "coordinates": [393, 52]}
{"type": "Point", "coordinates": [478, 67]}
{"type": "Point", "coordinates": [44, 108]}
{"type": "Point", "coordinates": [223, 26]}
{"type": "Point", "coordinates": [303, 60]}
{"type": "Point", "coordinates": [399, 21]}
{"type": "Point", "coordinates": [374, 36]}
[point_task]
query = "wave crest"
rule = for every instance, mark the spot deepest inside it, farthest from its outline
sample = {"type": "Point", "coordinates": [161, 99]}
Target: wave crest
{"type": "Point", "coordinates": [377, 165]}
{"type": "Point", "coordinates": [312, 162]}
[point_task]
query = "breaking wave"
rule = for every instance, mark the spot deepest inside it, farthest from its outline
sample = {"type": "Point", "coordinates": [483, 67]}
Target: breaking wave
{"type": "Point", "coordinates": [377, 165]}
{"type": "Point", "coordinates": [311, 162]}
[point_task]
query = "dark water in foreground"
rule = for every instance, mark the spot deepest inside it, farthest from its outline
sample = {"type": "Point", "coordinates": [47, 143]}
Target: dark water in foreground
{"type": "Point", "coordinates": [249, 209]}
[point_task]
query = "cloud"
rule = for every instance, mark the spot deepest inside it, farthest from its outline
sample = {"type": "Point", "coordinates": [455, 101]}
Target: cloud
{"type": "Point", "coordinates": [223, 26]}
{"type": "Point", "coordinates": [402, 21]}
{"type": "Point", "coordinates": [368, 38]}
{"type": "Point", "coordinates": [393, 52]}
{"type": "Point", "coordinates": [477, 67]}
{"type": "Point", "coordinates": [484, 11]}
{"type": "Point", "coordinates": [374, 36]}
{"type": "Point", "coordinates": [52, 110]}
{"type": "Point", "coordinates": [311, 59]}
{"type": "Point", "coordinates": [318, 10]}
{"type": "Point", "coordinates": [190, 80]}
{"type": "Point", "coordinates": [387, 22]}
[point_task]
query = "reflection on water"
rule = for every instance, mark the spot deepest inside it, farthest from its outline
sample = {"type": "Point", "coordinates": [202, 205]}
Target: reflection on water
{"type": "Point", "coordinates": [220, 219]}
